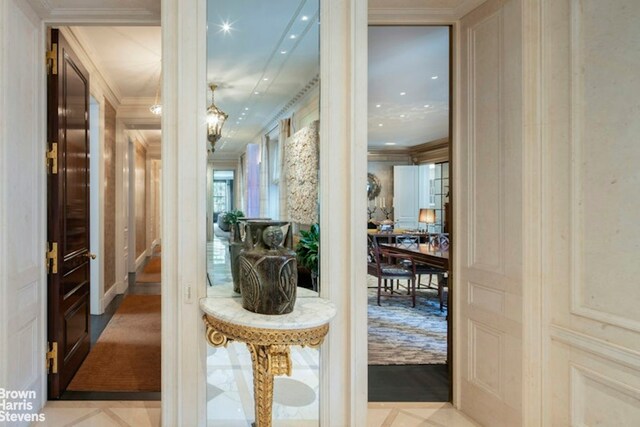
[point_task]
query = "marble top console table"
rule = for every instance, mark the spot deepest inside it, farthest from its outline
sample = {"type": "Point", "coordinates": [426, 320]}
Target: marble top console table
{"type": "Point", "coordinates": [268, 338]}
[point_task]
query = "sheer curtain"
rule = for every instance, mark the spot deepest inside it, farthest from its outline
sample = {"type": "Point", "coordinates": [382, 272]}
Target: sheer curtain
{"type": "Point", "coordinates": [285, 133]}
{"type": "Point", "coordinates": [264, 177]}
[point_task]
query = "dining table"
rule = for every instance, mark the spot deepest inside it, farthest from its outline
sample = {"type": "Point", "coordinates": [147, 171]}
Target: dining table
{"type": "Point", "coordinates": [423, 253]}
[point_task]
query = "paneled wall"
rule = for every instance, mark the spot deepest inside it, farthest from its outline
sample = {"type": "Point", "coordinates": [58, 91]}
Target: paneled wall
{"type": "Point", "coordinates": [22, 205]}
{"type": "Point", "coordinates": [140, 198]}
{"type": "Point", "coordinates": [109, 252]}
{"type": "Point", "coordinates": [591, 187]}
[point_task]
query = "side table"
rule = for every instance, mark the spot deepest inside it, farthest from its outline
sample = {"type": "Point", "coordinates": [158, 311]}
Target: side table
{"type": "Point", "coordinates": [268, 338]}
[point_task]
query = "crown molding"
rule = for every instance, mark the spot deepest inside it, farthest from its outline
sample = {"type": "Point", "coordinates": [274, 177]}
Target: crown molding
{"type": "Point", "coordinates": [422, 15]}
{"type": "Point", "coordinates": [116, 15]}
{"type": "Point", "coordinates": [78, 44]}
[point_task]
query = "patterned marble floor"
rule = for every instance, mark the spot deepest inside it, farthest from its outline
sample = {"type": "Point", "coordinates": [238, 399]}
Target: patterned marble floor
{"type": "Point", "coordinates": [147, 414]}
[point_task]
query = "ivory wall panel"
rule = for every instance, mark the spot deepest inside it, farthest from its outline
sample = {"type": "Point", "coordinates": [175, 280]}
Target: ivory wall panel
{"type": "Point", "coordinates": [22, 201]}
{"type": "Point", "coordinates": [109, 195]}
{"type": "Point", "coordinates": [140, 199]}
{"type": "Point", "coordinates": [591, 240]}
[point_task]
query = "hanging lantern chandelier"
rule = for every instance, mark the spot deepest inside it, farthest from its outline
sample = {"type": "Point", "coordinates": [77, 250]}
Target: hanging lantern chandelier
{"type": "Point", "coordinates": [215, 120]}
{"type": "Point", "coordinates": [156, 108]}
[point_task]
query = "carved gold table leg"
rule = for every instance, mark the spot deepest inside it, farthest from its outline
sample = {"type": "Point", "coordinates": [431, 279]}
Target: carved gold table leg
{"type": "Point", "coordinates": [268, 359]}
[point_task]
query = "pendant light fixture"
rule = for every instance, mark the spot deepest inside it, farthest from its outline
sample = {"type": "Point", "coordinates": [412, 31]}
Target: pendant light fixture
{"type": "Point", "coordinates": [156, 108]}
{"type": "Point", "coordinates": [215, 120]}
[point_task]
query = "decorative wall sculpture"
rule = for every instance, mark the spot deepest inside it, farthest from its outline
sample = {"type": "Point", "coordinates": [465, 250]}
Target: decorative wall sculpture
{"type": "Point", "coordinates": [301, 165]}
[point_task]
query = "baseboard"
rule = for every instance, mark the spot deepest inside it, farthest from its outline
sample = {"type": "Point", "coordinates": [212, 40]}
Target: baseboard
{"type": "Point", "coordinates": [108, 296]}
{"type": "Point", "coordinates": [122, 285]}
{"type": "Point", "coordinates": [140, 260]}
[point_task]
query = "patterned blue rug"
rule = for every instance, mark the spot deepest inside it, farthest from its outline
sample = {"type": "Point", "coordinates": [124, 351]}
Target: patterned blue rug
{"type": "Point", "coordinates": [402, 335]}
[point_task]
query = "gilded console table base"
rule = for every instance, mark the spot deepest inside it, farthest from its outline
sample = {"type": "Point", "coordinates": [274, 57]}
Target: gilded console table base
{"type": "Point", "coordinates": [270, 355]}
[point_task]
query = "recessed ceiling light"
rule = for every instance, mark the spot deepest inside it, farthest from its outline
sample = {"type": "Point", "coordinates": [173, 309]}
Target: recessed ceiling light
{"type": "Point", "coordinates": [225, 27]}
{"type": "Point", "coordinates": [292, 36]}
{"type": "Point", "coordinates": [427, 105]}
{"type": "Point", "coordinates": [265, 79]}
{"type": "Point", "coordinates": [389, 143]}
{"type": "Point", "coordinates": [380, 125]}
{"type": "Point", "coordinates": [434, 77]}
{"type": "Point", "coordinates": [243, 114]}
{"type": "Point", "coordinates": [246, 108]}
{"type": "Point", "coordinates": [305, 18]}
{"type": "Point", "coordinates": [283, 52]}
{"type": "Point", "coordinates": [378, 105]}
{"type": "Point", "coordinates": [402, 115]}
{"type": "Point", "coordinates": [403, 93]}
{"type": "Point", "coordinates": [256, 93]}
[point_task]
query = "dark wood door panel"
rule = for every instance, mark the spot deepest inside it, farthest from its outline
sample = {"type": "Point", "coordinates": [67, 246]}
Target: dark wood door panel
{"type": "Point", "coordinates": [68, 208]}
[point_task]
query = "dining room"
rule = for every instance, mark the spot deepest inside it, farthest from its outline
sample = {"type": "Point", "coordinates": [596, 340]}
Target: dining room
{"type": "Point", "coordinates": [409, 214]}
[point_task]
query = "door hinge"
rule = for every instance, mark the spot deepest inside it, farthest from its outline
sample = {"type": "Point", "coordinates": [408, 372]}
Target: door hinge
{"type": "Point", "coordinates": [52, 258]}
{"type": "Point", "coordinates": [53, 156]}
{"type": "Point", "coordinates": [52, 358]}
{"type": "Point", "coordinates": [52, 55]}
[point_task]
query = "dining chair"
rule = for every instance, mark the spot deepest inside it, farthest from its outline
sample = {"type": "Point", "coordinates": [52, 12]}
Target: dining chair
{"type": "Point", "coordinates": [389, 267]}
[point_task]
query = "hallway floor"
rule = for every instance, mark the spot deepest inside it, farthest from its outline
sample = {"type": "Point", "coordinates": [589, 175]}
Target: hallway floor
{"type": "Point", "coordinates": [147, 414]}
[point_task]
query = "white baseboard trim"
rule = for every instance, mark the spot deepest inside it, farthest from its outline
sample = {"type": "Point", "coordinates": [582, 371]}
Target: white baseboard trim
{"type": "Point", "coordinates": [121, 286]}
{"type": "Point", "coordinates": [108, 297]}
{"type": "Point", "coordinates": [140, 259]}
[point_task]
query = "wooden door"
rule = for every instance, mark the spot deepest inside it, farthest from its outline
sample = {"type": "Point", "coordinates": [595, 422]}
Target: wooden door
{"type": "Point", "coordinates": [68, 213]}
{"type": "Point", "coordinates": [489, 231]}
{"type": "Point", "coordinates": [405, 196]}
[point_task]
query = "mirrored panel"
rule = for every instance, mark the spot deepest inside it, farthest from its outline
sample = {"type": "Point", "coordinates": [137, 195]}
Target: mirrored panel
{"type": "Point", "coordinates": [263, 115]}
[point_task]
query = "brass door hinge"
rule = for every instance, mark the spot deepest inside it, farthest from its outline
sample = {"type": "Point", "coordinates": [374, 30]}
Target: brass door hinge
{"type": "Point", "coordinates": [52, 358]}
{"type": "Point", "coordinates": [52, 258]}
{"type": "Point", "coordinates": [52, 55]}
{"type": "Point", "coordinates": [53, 156]}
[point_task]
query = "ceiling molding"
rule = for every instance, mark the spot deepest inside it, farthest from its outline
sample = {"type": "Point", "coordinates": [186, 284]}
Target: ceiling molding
{"type": "Point", "coordinates": [313, 83]}
{"type": "Point", "coordinates": [393, 156]}
{"type": "Point", "coordinates": [117, 15]}
{"type": "Point", "coordinates": [421, 15]}
{"type": "Point", "coordinates": [429, 152]}
{"type": "Point", "coordinates": [429, 146]}
{"type": "Point", "coordinates": [108, 89]}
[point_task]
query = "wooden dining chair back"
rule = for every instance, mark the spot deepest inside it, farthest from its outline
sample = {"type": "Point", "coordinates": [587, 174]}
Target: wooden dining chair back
{"type": "Point", "coordinates": [389, 267]}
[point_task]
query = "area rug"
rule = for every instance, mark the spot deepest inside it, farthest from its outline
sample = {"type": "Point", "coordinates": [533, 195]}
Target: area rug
{"type": "Point", "coordinates": [402, 335]}
{"type": "Point", "coordinates": [126, 357]}
{"type": "Point", "coordinates": [152, 271]}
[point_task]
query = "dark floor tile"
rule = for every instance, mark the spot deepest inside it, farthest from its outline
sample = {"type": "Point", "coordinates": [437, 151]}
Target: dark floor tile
{"type": "Point", "coordinates": [408, 383]}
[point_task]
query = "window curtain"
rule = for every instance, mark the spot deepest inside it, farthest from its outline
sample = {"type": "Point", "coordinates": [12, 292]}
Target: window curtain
{"type": "Point", "coordinates": [209, 201]}
{"type": "Point", "coordinates": [242, 184]}
{"type": "Point", "coordinates": [285, 133]}
{"type": "Point", "coordinates": [264, 177]}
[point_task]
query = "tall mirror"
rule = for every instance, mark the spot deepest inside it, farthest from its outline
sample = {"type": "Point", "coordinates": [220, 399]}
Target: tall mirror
{"type": "Point", "coordinates": [263, 65]}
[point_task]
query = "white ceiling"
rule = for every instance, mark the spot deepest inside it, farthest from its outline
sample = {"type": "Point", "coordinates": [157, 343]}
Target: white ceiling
{"type": "Point", "coordinates": [130, 58]}
{"type": "Point", "coordinates": [405, 60]}
{"type": "Point", "coordinates": [239, 62]}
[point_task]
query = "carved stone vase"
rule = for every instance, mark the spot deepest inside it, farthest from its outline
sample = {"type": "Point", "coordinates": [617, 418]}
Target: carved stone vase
{"type": "Point", "coordinates": [235, 247]}
{"type": "Point", "coordinates": [268, 270]}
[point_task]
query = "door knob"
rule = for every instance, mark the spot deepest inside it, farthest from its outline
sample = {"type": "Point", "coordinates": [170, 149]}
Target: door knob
{"type": "Point", "coordinates": [90, 255]}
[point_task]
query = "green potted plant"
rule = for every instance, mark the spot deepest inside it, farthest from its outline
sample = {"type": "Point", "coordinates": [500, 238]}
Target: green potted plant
{"type": "Point", "coordinates": [232, 218]}
{"type": "Point", "coordinates": [307, 251]}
